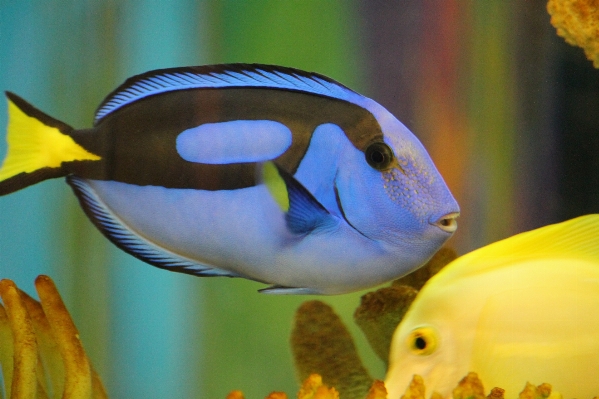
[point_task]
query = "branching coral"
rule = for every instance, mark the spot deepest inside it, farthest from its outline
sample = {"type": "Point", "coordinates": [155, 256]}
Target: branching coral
{"type": "Point", "coordinates": [314, 388]}
{"type": "Point", "coordinates": [470, 387]}
{"type": "Point", "coordinates": [577, 21]}
{"type": "Point", "coordinates": [40, 350]}
{"type": "Point", "coordinates": [321, 343]}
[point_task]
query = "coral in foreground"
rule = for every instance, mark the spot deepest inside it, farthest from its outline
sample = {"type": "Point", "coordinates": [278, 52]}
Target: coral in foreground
{"type": "Point", "coordinates": [314, 388]}
{"type": "Point", "coordinates": [577, 21]}
{"type": "Point", "coordinates": [40, 350]}
{"type": "Point", "coordinates": [321, 343]}
{"type": "Point", "coordinates": [469, 387]}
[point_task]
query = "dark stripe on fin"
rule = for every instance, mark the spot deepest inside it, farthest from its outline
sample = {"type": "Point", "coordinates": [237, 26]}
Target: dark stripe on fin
{"type": "Point", "coordinates": [37, 114]}
{"type": "Point", "coordinates": [221, 76]}
{"type": "Point", "coordinates": [23, 180]}
{"type": "Point", "coordinates": [127, 240]}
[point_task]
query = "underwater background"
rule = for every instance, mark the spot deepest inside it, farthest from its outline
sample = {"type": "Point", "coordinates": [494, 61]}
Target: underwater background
{"type": "Point", "coordinates": [508, 111]}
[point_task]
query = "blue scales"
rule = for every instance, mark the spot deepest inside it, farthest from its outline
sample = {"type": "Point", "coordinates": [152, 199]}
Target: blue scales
{"type": "Point", "coordinates": [268, 173]}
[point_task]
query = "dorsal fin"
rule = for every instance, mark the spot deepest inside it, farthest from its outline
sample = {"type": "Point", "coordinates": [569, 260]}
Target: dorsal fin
{"type": "Point", "coordinates": [221, 76]}
{"type": "Point", "coordinates": [573, 239]}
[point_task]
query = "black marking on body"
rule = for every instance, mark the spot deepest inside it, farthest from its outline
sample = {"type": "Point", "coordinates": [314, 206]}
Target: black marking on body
{"type": "Point", "coordinates": [137, 142]}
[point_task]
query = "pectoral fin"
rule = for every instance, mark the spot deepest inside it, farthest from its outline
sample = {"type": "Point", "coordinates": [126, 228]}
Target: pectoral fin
{"type": "Point", "coordinates": [303, 212]}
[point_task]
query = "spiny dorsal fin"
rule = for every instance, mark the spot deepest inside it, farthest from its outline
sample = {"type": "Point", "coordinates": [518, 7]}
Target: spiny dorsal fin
{"type": "Point", "coordinates": [221, 76]}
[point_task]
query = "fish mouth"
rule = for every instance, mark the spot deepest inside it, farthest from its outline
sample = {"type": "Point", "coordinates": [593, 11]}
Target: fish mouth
{"type": "Point", "coordinates": [448, 223]}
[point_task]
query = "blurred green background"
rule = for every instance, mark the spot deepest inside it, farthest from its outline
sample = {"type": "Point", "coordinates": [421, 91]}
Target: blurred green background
{"type": "Point", "coordinates": [508, 112]}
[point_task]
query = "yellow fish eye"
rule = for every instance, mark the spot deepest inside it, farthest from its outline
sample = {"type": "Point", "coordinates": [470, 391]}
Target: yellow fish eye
{"type": "Point", "coordinates": [423, 341]}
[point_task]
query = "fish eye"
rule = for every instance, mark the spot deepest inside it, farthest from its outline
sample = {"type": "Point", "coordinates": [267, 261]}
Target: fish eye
{"type": "Point", "coordinates": [379, 155]}
{"type": "Point", "coordinates": [422, 341]}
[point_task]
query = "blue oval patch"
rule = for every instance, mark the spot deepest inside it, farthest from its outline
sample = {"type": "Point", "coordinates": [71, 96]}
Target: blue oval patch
{"type": "Point", "coordinates": [234, 142]}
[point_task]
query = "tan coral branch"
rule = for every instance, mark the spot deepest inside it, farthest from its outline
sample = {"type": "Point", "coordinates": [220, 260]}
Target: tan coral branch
{"type": "Point", "coordinates": [24, 379]}
{"type": "Point", "coordinates": [47, 346]}
{"type": "Point", "coordinates": [6, 349]}
{"type": "Point", "coordinates": [321, 344]}
{"type": "Point", "coordinates": [40, 350]}
{"type": "Point", "coordinates": [78, 376]}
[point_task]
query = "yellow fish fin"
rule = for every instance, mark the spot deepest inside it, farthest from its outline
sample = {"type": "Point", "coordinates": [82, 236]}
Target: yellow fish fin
{"type": "Point", "coordinates": [276, 185]}
{"type": "Point", "coordinates": [36, 149]}
{"type": "Point", "coordinates": [573, 239]}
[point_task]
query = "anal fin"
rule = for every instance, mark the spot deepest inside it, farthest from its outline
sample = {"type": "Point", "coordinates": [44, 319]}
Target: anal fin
{"type": "Point", "coordinates": [131, 242]}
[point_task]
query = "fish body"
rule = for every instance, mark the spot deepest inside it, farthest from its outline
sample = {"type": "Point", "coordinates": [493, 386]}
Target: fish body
{"type": "Point", "coordinates": [268, 173]}
{"type": "Point", "coordinates": [520, 310]}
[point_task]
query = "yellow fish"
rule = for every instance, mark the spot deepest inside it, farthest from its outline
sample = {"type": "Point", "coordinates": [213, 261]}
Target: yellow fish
{"type": "Point", "coordinates": [521, 309]}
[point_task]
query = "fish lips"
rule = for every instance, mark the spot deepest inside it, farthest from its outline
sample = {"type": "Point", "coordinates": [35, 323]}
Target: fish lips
{"type": "Point", "coordinates": [447, 223]}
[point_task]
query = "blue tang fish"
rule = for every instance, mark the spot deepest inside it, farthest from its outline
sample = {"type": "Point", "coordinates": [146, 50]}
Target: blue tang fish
{"type": "Point", "coordinates": [268, 173]}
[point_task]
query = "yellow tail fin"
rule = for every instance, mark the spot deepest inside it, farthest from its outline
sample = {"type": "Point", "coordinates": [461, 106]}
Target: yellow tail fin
{"type": "Point", "coordinates": [37, 147]}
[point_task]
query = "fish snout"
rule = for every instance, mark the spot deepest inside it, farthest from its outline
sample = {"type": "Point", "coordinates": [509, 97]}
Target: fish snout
{"type": "Point", "coordinates": [448, 223]}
